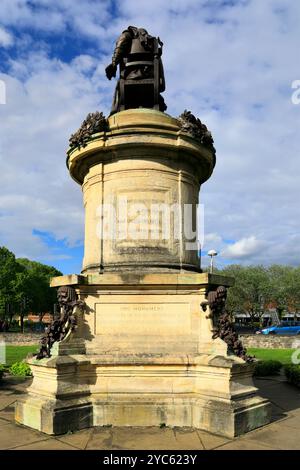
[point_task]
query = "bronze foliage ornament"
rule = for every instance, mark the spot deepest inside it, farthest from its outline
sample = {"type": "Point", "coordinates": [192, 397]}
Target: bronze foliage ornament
{"type": "Point", "coordinates": [195, 128]}
{"type": "Point", "coordinates": [223, 327]}
{"type": "Point", "coordinates": [93, 123]}
{"type": "Point", "coordinates": [65, 325]}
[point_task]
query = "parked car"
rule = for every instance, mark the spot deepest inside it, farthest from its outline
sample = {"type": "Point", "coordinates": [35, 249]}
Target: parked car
{"type": "Point", "coordinates": [284, 328]}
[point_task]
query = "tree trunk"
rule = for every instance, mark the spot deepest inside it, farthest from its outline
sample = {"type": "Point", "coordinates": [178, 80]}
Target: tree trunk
{"type": "Point", "coordinates": [22, 323]}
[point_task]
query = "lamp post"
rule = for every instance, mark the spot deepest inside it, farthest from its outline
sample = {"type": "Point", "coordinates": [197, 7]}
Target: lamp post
{"type": "Point", "coordinates": [212, 253]}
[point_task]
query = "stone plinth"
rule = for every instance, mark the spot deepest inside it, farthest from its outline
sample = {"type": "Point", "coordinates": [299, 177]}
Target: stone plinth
{"type": "Point", "coordinates": [142, 161]}
{"type": "Point", "coordinates": [149, 359]}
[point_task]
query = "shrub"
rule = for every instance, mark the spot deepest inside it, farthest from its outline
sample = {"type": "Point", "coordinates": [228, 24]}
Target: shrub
{"type": "Point", "coordinates": [292, 373]}
{"type": "Point", "coordinates": [2, 369]}
{"type": "Point", "coordinates": [264, 368]}
{"type": "Point", "coordinates": [21, 369]}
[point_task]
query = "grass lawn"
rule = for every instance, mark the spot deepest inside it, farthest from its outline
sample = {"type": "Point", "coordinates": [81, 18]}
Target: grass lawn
{"type": "Point", "coordinates": [282, 355]}
{"type": "Point", "coordinates": [18, 353]}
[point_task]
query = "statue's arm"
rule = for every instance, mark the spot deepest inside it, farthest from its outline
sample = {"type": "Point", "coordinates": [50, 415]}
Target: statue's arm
{"type": "Point", "coordinates": [121, 50]}
{"type": "Point", "coordinates": [122, 47]}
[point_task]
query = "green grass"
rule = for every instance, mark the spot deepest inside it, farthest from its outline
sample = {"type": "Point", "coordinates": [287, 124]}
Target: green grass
{"type": "Point", "coordinates": [18, 353]}
{"type": "Point", "coordinates": [282, 355]}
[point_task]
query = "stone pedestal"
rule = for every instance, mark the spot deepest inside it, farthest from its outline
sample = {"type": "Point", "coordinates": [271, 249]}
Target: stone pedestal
{"type": "Point", "coordinates": [149, 359]}
{"type": "Point", "coordinates": [144, 162]}
{"type": "Point", "coordinates": [143, 354]}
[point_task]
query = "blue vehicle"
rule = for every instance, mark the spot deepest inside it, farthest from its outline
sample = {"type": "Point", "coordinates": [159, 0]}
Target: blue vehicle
{"type": "Point", "coordinates": [284, 328]}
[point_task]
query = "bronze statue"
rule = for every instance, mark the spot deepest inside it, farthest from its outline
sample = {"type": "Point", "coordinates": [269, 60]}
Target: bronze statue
{"type": "Point", "coordinates": [141, 71]}
{"type": "Point", "coordinates": [59, 328]}
{"type": "Point", "coordinates": [223, 327]}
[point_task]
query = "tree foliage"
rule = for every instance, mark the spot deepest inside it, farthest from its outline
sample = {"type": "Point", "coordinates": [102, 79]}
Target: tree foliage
{"type": "Point", "coordinates": [9, 268]}
{"type": "Point", "coordinates": [24, 285]}
{"type": "Point", "coordinates": [258, 288]}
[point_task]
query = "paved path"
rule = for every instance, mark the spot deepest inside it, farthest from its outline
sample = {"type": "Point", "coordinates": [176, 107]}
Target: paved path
{"type": "Point", "coordinates": [282, 433]}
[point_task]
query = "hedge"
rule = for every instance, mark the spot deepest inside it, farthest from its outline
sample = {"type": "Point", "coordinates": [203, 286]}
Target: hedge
{"type": "Point", "coordinates": [292, 373]}
{"type": "Point", "coordinates": [21, 369]}
{"type": "Point", "coordinates": [2, 369]}
{"type": "Point", "coordinates": [263, 368]}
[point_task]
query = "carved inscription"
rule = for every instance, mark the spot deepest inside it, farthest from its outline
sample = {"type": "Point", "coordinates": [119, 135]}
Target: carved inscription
{"type": "Point", "coordinates": [143, 318]}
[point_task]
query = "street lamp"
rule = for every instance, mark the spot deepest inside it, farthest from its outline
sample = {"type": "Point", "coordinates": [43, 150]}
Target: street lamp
{"type": "Point", "coordinates": [212, 253]}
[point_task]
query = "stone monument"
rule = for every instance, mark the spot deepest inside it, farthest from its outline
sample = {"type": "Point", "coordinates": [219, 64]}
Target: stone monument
{"type": "Point", "coordinates": [143, 337]}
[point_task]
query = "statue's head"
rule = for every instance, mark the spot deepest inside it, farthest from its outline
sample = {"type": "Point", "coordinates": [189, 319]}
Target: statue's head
{"type": "Point", "coordinates": [137, 32]}
{"type": "Point", "coordinates": [221, 292]}
{"type": "Point", "coordinates": [143, 32]}
{"type": "Point", "coordinates": [66, 294]}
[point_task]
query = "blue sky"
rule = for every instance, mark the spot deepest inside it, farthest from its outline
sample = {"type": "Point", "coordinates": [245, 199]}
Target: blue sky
{"type": "Point", "coordinates": [232, 63]}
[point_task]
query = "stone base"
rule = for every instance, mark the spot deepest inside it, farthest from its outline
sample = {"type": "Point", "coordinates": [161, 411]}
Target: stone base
{"type": "Point", "coordinates": [54, 416]}
{"type": "Point", "coordinates": [147, 359]}
{"type": "Point", "coordinates": [143, 391]}
{"type": "Point", "coordinates": [228, 419]}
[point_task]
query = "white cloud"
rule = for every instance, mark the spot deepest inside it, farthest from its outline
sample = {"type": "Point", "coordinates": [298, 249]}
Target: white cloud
{"type": "Point", "coordinates": [244, 248]}
{"type": "Point", "coordinates": [212, 241]}
{"type": "Point", "coordinates": [45, 104]}
{"type": "Point", "coordinates": [6, 38]}
{"type": "Point", "coordinates": [232, 66]}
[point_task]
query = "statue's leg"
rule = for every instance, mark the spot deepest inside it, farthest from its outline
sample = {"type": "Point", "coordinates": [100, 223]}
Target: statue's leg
{"type": "Point", "coordinates": [162, 104]}
{"type": "Point", "coordinates": [116, 101]}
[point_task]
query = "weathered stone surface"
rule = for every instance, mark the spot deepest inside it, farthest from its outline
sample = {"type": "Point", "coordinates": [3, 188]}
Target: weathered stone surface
{"type": "Point", "coordinates": [101, 439]}
{"type": "Point", "coordinates": [48, 444]}
{"type": "Point", "coordinates": [108, 437]}
{"type": "Point", "coordinates": [148, 439]}
{"type": "Point", "coordinates": [280, 437]}
{"type": "Point", "coordinates": [8, 413]}
{"type": "Point", "coordinates": [269, 341]}
{"type": "Point", "coordinates": [187, 438]}
{"type": "Point", "coordinates": [3, 422]}
{"type": "Point", "coordinates": [77, 439]}
{"type": "Point", "coordinates": [67, 280]}
{"type": "Point", "coordinates": [245, 444]}
{"type": "Point", "coordinates": [145, 160]}
{"type": "Point", "coordinates": [211, 441]}
{"type": "Point", "coordinates": [13, 436]}
{"type": "Point", "coordinates": [20, 338]}
{"type": "Point", "coordinates": [6, 400]}
{"type": "Point", "coordinates": [285, 395]}
{"type": "Point", "coordinates": [157, 334]}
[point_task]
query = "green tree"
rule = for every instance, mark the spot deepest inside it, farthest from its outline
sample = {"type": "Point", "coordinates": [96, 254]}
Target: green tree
{"type": "Point", "coordinates": [251, 292]}
{"type": "Point", "coordinates": [285, 288]}
{"type": "Point", "coordinates": [32, 289]}
{"type": "Point", "coordinates": [9, 269]}
{"type": "Point", "coordinates": [24, 285]}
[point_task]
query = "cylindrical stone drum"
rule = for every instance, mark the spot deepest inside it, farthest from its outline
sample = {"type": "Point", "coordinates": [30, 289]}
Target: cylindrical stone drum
{"type": "Point", "coordinates": [141, 182]}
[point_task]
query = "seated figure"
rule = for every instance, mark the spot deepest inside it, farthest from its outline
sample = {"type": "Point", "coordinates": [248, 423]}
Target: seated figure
{"type": "Point", "coordinates": [141, 71]}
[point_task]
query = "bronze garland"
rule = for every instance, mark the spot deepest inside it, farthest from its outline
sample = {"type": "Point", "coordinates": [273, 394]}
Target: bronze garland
{"type": "Point", "coordinates": [59, 328]}
{"type": "Point", "coordinates": [223, 327]}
